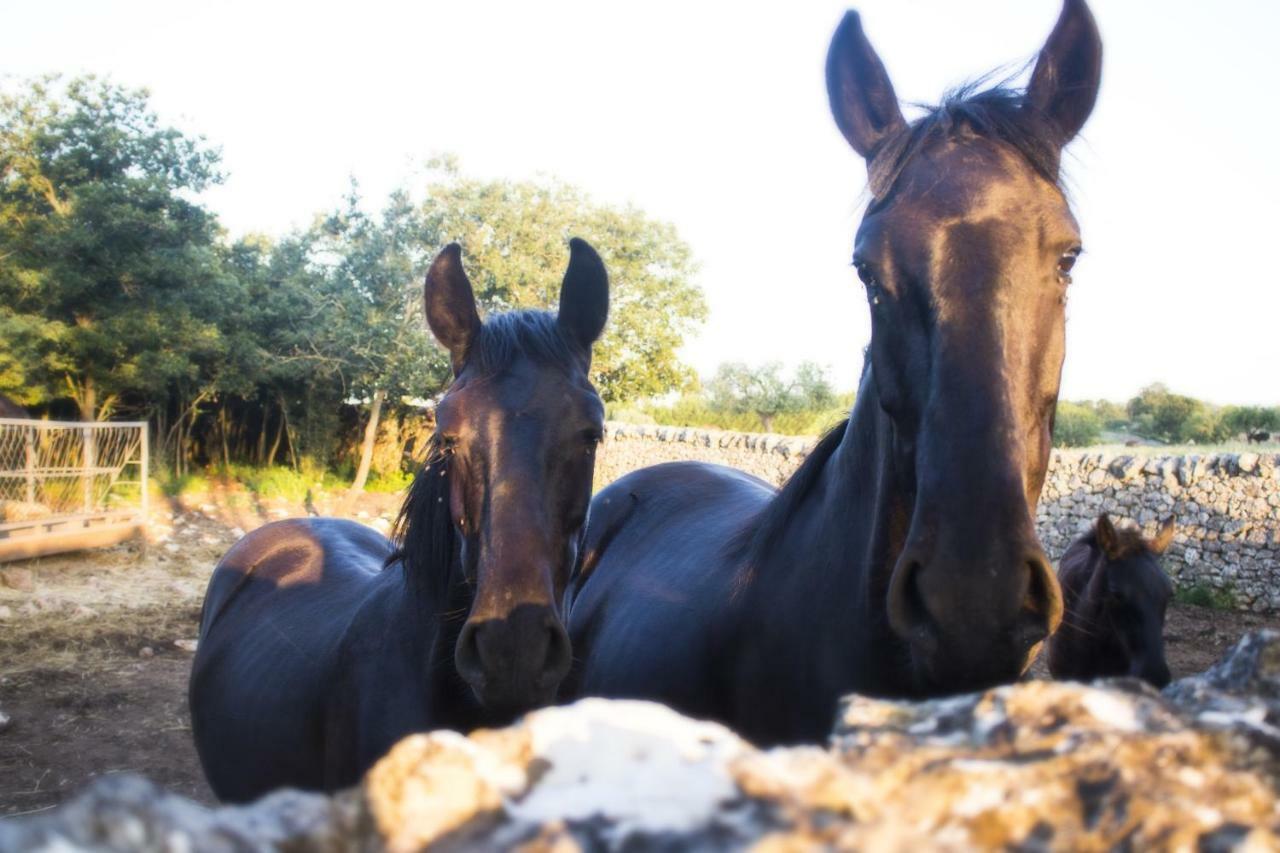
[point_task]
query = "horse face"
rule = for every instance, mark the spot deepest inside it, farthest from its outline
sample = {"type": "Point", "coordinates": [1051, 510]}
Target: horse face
{"type": "Point", "coordinates": [966, 253]}
{"type": "Point", "coordinates": [1136, 596]}
{"type": "Point", "coordinates": [521, 442]}
{"type": "Point", "coordinates": [1130, 595]}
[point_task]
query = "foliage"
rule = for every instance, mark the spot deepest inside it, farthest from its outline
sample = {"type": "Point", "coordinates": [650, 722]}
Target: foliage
{"type": "Point", "coordinates": [694, 410]}
{"type": "Point", "coordinates": [514, 237]}
{"type": "Point", "coordinates": [112, 276]}
{"type": "Point", "coordinates": [120, 295]}
{"type": "Point", "coordinates": [1076, 425]}
{"type": "Point", "coordinates": [1158, 413]}
{"type": "Point", "coordinates": [1205, 595]}
{"type": "Point", "coordinates": [1243, 420]}
{"type": "Point", "coordinates": [765, 392]}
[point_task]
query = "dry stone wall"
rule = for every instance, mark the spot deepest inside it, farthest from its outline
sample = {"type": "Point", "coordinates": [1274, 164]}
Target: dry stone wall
{"type": "Point", "coordinates": [1227, 505]}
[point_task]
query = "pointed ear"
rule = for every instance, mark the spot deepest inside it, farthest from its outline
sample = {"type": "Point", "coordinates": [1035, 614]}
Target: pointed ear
{"type": "Point", "coordinates": [1163, 537]}
{"type": "Point", "coordinates": [584, 296]}
{"type": "Point", "coordinates": [450, 305]}
{"type": "Point", "coordinates": [862, 98]}
{"type": "Point", "coordinates": [1108, 539]}
{"type": "Point", "coordinates": [1064, 85]}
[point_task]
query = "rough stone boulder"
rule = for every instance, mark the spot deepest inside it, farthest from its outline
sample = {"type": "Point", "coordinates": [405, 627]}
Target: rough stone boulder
{"type": "Point", "coordinates": [1033, 766]}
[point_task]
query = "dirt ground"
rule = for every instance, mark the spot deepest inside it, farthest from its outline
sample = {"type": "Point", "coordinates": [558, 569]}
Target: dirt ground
{"type": "Point", "coordinates": [93, 682]}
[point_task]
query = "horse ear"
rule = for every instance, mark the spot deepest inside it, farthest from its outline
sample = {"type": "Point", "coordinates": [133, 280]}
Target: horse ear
{"type": "Point", "coordinates": [451, 305]}
{"type": "Point", "coordinates": [1064, 85]}
{"type": "Point", "coordinates": [1163, 537]}
{"type": "Point", "coordinates": [1108, 539]}
{"type": "Point", "coordinates": [584, 296]}
{"type": "Point", "coordinates": [862, 97]}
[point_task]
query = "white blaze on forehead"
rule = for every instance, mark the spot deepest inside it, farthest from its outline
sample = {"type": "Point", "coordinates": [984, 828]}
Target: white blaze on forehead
{"type": "Point", "coordinates": [643, 765]}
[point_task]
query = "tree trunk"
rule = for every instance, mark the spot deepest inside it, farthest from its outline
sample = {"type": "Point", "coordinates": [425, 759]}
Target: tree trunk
{"type": "Point", "coordinates": [275, 445]}
{"type": "Point", "coordinates": [222, 432]}
{"type": "Point", "coordinates": [767, 422]}
{"type": "Point", "coordinates": [370, 435]}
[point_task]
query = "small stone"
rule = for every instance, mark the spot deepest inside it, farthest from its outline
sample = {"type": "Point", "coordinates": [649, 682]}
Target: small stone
{"type": "Point", "coordinates": [146, 652]}
{"type": "Point", "coordinates": [5, 721]}
{"type": "Point", "coordinates": [172, 547]}
{"type": "Point", "coordinates": [23, 580]}
{"type": "Point", "coordinates": [6, 612]}
{"type": "Point", "coordinates": [186, 645]}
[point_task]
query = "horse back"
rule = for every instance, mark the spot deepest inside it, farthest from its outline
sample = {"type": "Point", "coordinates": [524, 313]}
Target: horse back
{"type": "Point", "coordinates": [660, 582]}
{"type": "Point", "coordinates": [278, 608]}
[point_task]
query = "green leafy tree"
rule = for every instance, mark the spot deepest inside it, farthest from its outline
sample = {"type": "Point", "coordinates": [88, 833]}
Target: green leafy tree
{"type": "Point", "coordinates": [764, 390]}
{"type": "Point", "coordinates": [1158, 413]}
{"type": "Point", "coordinates": [372, 300]}
{"type": "Point", "coordinates": [1076, 425]}
{"type": "Point", "coordinates": [514, 236]}
{"type": "Point", "coordinates": [1243, 420]}
{"type": "Point", "coordinates": [110, 275]}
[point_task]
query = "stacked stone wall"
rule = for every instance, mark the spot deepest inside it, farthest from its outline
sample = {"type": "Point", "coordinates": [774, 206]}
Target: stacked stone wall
{"type": "Point", "coordinates": [1227, 505]}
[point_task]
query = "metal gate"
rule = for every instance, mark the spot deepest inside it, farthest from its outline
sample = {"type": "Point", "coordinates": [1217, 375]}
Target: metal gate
{"type": "Point", "coordinates": [67, 485]}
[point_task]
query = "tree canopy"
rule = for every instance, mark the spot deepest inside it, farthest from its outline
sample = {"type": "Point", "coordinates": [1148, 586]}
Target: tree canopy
{"type": "Point", "coordinates": [120, 292]}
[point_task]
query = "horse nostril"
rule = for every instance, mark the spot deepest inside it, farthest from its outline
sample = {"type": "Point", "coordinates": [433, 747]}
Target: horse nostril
{"type": "Point", "coordinates": [559, 656]}
{"type": "Point", "coordinates": [466, 656]}
{"type": "Point", "coordinates": [908, 613]}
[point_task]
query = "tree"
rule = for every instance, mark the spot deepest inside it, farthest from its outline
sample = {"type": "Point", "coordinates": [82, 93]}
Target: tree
{"type": "Point", "coordinates": [764, 390]}
{"type": "Point", "coordinates": [1076, 425]}
{"type": "Point", "coordinates": [514, 236]}
{"type": "Point", "coordinates": [373, 301]}
{"type": "Point", "coordinates": [111, 276]}
{"type": "Point", "coordinates": [1245, 420]}
{"type": "Point", "coordinates": [1158, 413]}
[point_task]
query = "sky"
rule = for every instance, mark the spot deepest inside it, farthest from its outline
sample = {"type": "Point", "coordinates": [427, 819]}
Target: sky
{"type": "Point", "coordinates": [714, 116]}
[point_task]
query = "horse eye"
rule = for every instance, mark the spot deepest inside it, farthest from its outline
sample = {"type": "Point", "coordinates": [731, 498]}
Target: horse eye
{"type": "Point", "coordinates": [1068, 261]}
{"type": "Point", "coordinates": [864, 272]}
{"type": "Point", "coordinates": [448, 443]}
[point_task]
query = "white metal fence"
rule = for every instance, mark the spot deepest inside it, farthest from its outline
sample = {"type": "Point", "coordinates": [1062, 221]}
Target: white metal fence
{"type": "Point", "coordinates": [67, 485]}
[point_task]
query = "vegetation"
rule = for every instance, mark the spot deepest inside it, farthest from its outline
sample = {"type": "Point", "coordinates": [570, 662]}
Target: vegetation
{"type": "Point", "coordinates": [744, 399]}
{"type": "Point", "coordinates": [1205, 595]}
{"type": "Point", "coordinates": [121, 296]}
{"type": "Point", "coordinates": [1076, 425]}
{"type": "Point", "coordinates": [1159, 415]}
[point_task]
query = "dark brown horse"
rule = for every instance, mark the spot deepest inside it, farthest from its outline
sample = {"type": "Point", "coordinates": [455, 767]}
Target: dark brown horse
{"type": "Point", "coordinates": [1114, 596]}
{"type": "Point", "coordinates": [321, 645]}
{"type": "Point", "coordinates": [901, 559]}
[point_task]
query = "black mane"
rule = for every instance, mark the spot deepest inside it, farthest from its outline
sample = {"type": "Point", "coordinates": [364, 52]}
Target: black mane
{"type": "Point", "coordinates": [762, 530]}
{"type": "Point", "coordinates": [534, 335]}
{"type": "Point", "coordinates": [424, 533]}
{"type": "Point", "coordinates": [1001, 113]}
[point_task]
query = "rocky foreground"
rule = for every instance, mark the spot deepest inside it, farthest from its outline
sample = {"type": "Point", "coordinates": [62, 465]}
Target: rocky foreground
{"type": "Point", "coordinates": [1034, 766]}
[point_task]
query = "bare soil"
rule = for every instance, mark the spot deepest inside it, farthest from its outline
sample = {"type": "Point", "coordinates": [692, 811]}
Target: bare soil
{"type": "Point", "coordinates": [93, 682]}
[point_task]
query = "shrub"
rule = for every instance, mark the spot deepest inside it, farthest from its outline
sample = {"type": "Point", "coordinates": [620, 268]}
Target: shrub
{"type": "Point", "coordinates": [1205, 595]}
{"type": "Point", "coordinates": [1076, 425]}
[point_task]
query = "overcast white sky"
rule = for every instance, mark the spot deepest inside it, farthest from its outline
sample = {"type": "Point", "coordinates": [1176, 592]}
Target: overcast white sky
{"type": "Point", "coordinates": [714, 116]}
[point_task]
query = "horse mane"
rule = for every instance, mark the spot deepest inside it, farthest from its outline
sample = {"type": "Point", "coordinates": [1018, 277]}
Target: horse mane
{"type": "Point", "coordinates": [1001, 112]}
{"type": "Point", "coordinates": [763, 530]}
{"type": "Point", "coordinates": [423, 534]}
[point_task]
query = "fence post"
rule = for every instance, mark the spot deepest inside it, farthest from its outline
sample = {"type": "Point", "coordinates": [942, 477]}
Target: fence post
{"type": "Point", "coordinates": [86, 475]}
{"type": "Point", "coordinates": [146, 464]}
{"type": "Point", "coordinates": [29, 439]}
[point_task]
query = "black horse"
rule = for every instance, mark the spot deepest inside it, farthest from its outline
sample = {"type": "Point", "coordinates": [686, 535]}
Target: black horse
{"type": "Point", "coordinates": [320, 645]}
{"type": "Point", "coordinates": [1115, 595]}
{"type": "Point", "coordinates": [901, 559]}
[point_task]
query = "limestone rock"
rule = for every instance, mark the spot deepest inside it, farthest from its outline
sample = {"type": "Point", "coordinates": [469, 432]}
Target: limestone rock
{"type": "Point", "coordinates": [1033, 766]}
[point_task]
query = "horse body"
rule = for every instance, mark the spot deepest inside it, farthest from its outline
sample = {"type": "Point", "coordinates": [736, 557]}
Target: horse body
{"type": "Point", "coordinates": [322, 643]}
{"type": "Point", "coordinates": [1115, 596]}
{"type": "Point", "coordinates": [901, 559]}
{"type": "Point", "coordinates": [763, 629]}
{"type": "Point", "coordinates": [299, 616]}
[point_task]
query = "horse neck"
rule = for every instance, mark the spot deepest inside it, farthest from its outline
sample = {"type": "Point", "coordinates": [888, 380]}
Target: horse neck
{"type": "Point", "coordinates": [852, 524]}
